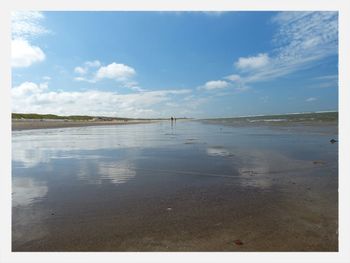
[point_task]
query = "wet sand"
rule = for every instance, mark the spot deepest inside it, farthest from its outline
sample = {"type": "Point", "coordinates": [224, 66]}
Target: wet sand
{"type": "Point", "coordinates": [184, 187]}
{"type": "Point", "coordinates": [49, 124]}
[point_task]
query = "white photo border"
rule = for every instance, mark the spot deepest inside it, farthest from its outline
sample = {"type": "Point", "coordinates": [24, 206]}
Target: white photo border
{"type": "Point", "coordinates": [171, 5]}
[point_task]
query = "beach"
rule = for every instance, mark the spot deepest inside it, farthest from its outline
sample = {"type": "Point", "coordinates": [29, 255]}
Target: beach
{"type": "Point", "coordinates": [28, 124]}
{"type": "Point", "coordinates": [176, 186]}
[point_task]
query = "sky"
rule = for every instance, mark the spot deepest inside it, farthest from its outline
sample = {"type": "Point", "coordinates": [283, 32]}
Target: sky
{"type": "Point", "coordinates": [183, 64]}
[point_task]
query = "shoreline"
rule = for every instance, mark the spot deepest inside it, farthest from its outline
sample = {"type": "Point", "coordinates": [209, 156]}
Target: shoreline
{"type": "Point", "coordinates": [19, 125]}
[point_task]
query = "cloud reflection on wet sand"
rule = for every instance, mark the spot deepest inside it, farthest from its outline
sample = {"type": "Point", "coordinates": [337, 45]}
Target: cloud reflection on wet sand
{"type": "Point", "coordinates": [113, 171]}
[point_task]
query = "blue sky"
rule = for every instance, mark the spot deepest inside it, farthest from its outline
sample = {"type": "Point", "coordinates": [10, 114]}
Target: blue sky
{"type": "Point", "coordinates": [161, 64]}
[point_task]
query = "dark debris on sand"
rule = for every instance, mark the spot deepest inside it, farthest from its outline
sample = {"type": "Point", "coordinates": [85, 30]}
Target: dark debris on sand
{"type": "Point", "coordinates": [238, 242]}
{"type": "Point", "coordinates": [333, 141]}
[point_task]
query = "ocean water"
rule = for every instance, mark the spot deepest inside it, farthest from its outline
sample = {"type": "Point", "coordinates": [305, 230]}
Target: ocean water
{"type": "Point", "coordinates": [283, 119]}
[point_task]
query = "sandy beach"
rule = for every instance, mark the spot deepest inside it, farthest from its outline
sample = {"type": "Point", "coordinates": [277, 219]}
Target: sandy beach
{"type": "Point", "coordinates": [49, 124]}
{"type": "Point", "coordinates": [189, 186]}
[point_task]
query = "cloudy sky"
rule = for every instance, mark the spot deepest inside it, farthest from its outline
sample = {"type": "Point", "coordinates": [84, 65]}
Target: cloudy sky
{"type": "Point", "coordinates": [161, 64]}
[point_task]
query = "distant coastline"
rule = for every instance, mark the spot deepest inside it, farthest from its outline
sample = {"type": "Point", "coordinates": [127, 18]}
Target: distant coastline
{"type": "Point", "coordinates": [36, 116]}
{"type": "Point", "coordinates": [28, 121]}
{"type": "Point", "coordinates": [25, 121]}
{"type": "Point", "coordinates": [29, 124]}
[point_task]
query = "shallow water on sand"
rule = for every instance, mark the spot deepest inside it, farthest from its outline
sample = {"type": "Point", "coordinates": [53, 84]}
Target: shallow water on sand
{"type": "Point", "coordinates": [189, 186]}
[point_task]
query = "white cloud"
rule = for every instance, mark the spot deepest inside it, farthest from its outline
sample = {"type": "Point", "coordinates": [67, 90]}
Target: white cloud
{"type": "Point", "coordinates": [258, 61]}
{"type": "Point", "coordinates": [85, 79]}
{"type": "Point", "coordinates": [23, 54]}
{"type": "Point", "coordinates": [28, 88]}
{"type": "Point", "coordinates": [328, 77]}
{"type": "Point", "coordinates": [86, 67]}
{"type": "Point", "coordinates": [174, 91]}
{"type": "Point", "coordinates": [311, 99]}
{"type": "Point", "coordinates": [119, 72]}
{"type": "Point", "coordinates": [238, 83]}
{"type": "Point", "coordinates": [325, 81]}
{"type": "Point", "coordinates": [133, 85]}
{"type": "Point", "coordinates": [235, 83]}
{"type": "Point", "coordinates": [215, 84]}
{"type": "Point", "coordinates": [136, 88]}
{"type": "Point", "coordinates": [115, 71]}
{"type": "Point", "coordinates": [93, 64]}
{"type": "Point", "coordinates": [80, 70]}
{"type": "Point", "coordinates": [85, 70]}
{"type": "Point", "coordinates": [234, 78]}
{"type": "Point", "coordinates": [30, 97]}
{"type": "Point", "coordinates": [302, 40]}
{"type": "Point", "coordinates": [25, 26]}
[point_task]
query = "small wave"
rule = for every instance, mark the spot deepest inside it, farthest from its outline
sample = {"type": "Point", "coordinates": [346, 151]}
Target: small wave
{"type": "Point", "coordinates": [267, 120]}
